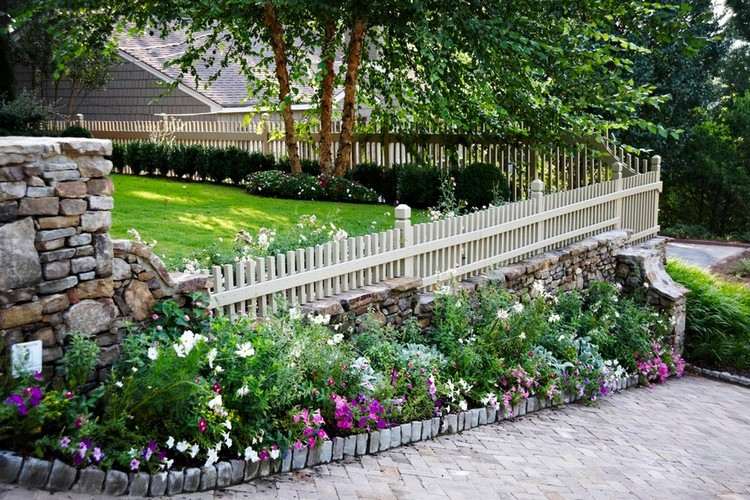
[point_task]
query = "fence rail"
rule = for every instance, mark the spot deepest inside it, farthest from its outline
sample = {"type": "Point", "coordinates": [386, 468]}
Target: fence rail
{"type": "Point", "coordinates": [453, 248]}
{"type": "Point", "coordinates": [560, 167]}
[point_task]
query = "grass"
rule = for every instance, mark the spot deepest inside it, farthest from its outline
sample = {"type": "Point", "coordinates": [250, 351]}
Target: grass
{"type": "Point", "coordinates": [718, 319]}
{"type": "Point", "coordinates": [184, 217]}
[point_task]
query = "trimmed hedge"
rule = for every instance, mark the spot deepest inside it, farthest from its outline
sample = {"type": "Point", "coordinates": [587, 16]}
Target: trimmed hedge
{"type": "Point", "coordinates": [480, 184]}
{"type": "Point", "coordinates": [280, 184]}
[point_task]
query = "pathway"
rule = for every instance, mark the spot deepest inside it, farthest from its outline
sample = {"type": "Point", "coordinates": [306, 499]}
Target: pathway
{"type": "Point", "coordinates": [689, 438]}
{"type": "Point", "coordinates": [702, 255]}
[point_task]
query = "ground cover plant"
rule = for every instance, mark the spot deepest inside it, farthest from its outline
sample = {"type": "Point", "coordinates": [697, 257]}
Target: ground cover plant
{"type": "Point", "coordinates": [718, 319]}
{"type": "Point", "coordinates": [190, 388]}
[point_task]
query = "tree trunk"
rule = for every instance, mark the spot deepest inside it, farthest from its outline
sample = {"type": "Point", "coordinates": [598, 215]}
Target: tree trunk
{"type": "Point", "coordinates": [271, 21]}
{"type": "Point", "coordinates": [353, 60]}
{"type": "Point", "coordinates": [326, 99]}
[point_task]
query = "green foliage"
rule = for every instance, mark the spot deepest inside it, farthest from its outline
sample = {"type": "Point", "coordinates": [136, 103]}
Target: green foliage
{"type": "Point", "coordinates": [718, 319]}
{"type": "Point", "coordinates": [79, 360]}
{"type": "Point", "coordinates": [380, 179]}
{"type": "Point", "coordinates": [418, 185]}
{"type": "Point", "coordinates": [23, 115]}
{"type": "Point", "coordinates": [307, 187]}
{"type": "Point", "coordinates": [76, 131]}
{"type": "Point", "coordinates": [481, 184]}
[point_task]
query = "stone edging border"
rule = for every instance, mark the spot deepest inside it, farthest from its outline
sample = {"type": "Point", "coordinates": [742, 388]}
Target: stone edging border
{"type": "Point", "coordinates": [719, 375]}
{"type": "Point", "coordinates": [34, 473]}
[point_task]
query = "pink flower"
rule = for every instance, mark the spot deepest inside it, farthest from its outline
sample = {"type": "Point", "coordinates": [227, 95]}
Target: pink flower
{"type": "Point", "coordinates": [134, 464]}
{"type": "Point", "coordinates": [298, 445]}
{"type": "Point", "coordinates": [202, 425]}
{"type": "Point", "coordinates": [322, 434]}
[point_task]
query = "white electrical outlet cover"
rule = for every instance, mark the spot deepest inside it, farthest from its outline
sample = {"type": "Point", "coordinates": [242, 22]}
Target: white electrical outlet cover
{"type": "Point", "coordinates": [26, 358]}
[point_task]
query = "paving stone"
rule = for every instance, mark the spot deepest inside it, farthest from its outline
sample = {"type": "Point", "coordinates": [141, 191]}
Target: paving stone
{"type": "Point", "coordinates": [35, 473]}
{"type": "Point", "coordinates": [90, 480]}
{"type": "Point", "coordinates": [62, 476]}
{"type": "Point", "coordinates": [208, 478]}
{"type": "Point", "coordinates": [238, 471]}
{"type": "Point", "coordinates": [10, 466]}
{"type": "Point", "coordinates": [299, 458]}
{"type": "Point", "coordinates": [192, 480]}
{"type": "Point", "coordinates": [139, 482]}
{"type": "Point", "coordinates": [223, 474]}
{"type": "Point", "coordinates": [158, 485]}
{"type": "Point", "coordinates": [175, 480]}
{"type": "Point", "coordinates": [116, 483]}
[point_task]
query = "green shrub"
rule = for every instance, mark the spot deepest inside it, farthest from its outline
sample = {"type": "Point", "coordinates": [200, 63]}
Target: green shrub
{"type": "Point", "coordinates": [76, 131]}
{"type": "Point", "coordinates": [718, 319]}
{"type": "Point", "coordinates": [118, 157]}
{"type": "Point", "coordinates": [79, 360]}
{"type": "Point", "coordinates": [24, 115]}
{"type": "Point", "coordinates": [418, 185]}
{"type": "Point", "coordinates": [276, 183]}
{"type": "Point", "coordinates": [310, 167]}
{"type": "Point", "coordinates": [343, 189]}
{"type": "Point", "coordinates": [380, 179]}
{"type": "Point", "coordinates": [480, 184]}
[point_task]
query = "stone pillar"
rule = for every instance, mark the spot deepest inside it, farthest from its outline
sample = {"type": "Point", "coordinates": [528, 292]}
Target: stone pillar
{"type": "Point", "coordinates": [55, 251]}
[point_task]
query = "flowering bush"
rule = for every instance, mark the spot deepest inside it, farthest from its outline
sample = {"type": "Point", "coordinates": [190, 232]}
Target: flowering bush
{"type": "Point", "coordinates": [279, 184]}
{"type": "Point", "coordinates": [190, 389]}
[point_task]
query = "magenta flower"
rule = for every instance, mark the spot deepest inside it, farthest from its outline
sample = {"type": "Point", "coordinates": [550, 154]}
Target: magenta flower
{"type": "Point", "coordinates": [64, 442]}
{"type": "Point", "coordinates": [216, 388]}
{"type": "Point", "coordinates": [311, 442]}
{"type": "Point", "coordinates": [17, 401]}
{"type": "Point", "coordinates": [322, 434]}
{"type": "Point", "coordinates": [68, 395]}
{"type": "Point", "coordinates": [78, 422]}
{"type": "Point", "coordinates": [134, 464]}
{"type": "Point", "coordinates": [298, 445]}
{"type": "Point", "coordinates": [202, 425]}
{"type": "Point", "coordinates": [38, 376]}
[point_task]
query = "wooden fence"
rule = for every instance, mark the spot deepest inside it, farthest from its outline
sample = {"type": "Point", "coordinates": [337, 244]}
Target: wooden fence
{"type": "Point", "coordinates": [561, 167]}
{"type": "Point", "coordinates": [448, 249]}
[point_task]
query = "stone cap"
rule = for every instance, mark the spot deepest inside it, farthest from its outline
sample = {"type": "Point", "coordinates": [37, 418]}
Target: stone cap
{"type": "Point", "coordinates": [48, 146]}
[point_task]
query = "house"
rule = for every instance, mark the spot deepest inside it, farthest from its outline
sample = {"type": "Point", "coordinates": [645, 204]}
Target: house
{"type": "Point", "coordinates": [142, 87]}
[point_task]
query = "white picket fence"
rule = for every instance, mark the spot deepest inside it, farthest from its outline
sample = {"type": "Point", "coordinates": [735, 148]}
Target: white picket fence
{"type": "Point", "coordinates": [453, 248]}
{"type": "Point", "coordinates": [561, 167]}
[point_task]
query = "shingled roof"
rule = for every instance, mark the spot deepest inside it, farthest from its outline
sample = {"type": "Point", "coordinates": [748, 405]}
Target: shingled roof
{"type": "Point", "coordinates": [228, 90]}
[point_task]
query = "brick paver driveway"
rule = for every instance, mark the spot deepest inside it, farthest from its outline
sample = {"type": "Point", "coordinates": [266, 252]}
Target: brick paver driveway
{"type": "Point", "coordinates": [689, 438]}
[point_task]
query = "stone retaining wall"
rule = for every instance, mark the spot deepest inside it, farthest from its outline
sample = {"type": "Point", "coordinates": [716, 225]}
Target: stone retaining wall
{"type": "Point", "coordinates": [56, 256]}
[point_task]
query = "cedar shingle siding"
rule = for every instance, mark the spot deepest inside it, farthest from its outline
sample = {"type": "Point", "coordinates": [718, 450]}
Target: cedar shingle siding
{"type": "Point", "coordinates": [132, 93]}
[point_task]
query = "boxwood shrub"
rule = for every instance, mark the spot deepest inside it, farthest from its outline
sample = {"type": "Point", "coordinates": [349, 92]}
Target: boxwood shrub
{"type": "Point", "coordinates": [480, 184]}
{"type": "Point", "coordinates": [418, 185]}
{"type": "Point", "coordinates": [380, 179]}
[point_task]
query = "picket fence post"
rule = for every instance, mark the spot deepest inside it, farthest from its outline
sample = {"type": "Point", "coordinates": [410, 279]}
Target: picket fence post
{"type": "Point", "coordinates": [618, 187]}
{"type": "Point", "coordinates": [403, 223]}
{"type": "Point", "coordinates": [536, 193]}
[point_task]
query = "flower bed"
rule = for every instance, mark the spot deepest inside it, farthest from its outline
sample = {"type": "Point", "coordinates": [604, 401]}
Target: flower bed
{"type": "Point", "coordinates": [303, 186]}
{"type": "Point", "coordinates": [193, 394]}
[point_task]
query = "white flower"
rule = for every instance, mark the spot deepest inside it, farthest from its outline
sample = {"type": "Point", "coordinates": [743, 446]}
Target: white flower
{"type": "Point", "coordinates": [275, 452]}
{"type": "Point", "coordinates": [251, 454]}
{"type": "Point", "coordinates": [118, 384]}
{"type": "Point", "coordinates": [243, 391]}
{"type": "Point", "coordinates": [194, 450]}
{"type": "Point", "coordinates": [170, 442]}
{"type": "Point", "coordinates": [187, 341]}
{"type": "Point", "coordinates": [152, 353]}
{"type": "Point", "coordinates": [212, 457]}
{"type": "Point", "coordinates": [340, 235]}
{"type": "Point", "coordinates": [227, 424]}
{"type": "Point", "coordinates": [522, 336]}
{"type": "Point", "coordinates": [554, 318]}
{"type": "Point", "coordinates": [217, 405]}
{"type": "Point", "coordinates": [182, 446]}
{"type": "Point", "coordinates": [227, 439]}
{"type": "Point", "coordinates": [336, 339]}
{"type": "Point", "coordinates": [168, 462]}
{"type": "Point", "coordinates": [211, 356]}
{"type": "Point", "coordinates": [537, 288]}
{"type": "Point", "coordinates": [294, 313]}
{"type": "Point", "coordinates": [503, 314]}
{"type": "Point", "coordinates": [218, 369]}
{"type": "Point", "coordinates": [245, 350]}
{"type": "Point", "coordinates": [322, 319]}
{"type": "Point", "coordinates": [517, 308]}
{"type": "Point", "coordinates": [463, 405]}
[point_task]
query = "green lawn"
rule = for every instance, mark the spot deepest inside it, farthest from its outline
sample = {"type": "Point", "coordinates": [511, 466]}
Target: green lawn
{"type": "Point", "coordinates": [185, 216]}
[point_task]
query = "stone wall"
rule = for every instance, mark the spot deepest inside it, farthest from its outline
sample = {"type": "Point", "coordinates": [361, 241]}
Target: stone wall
{"type": "Point", "coordinates": [56, 256]}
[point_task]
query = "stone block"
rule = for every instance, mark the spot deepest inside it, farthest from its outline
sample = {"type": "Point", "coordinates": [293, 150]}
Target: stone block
{"type": "Point", "coordinates": [405, 433]}
{"type": "Point", "coordinates": [158, 485]}
{"type": "Point", "coordinates": [73, 189]}
{"type": "Point", "coordinates": [395, 436]}
{"type": "Point", "coordinates": [85, 251]}
{"type": "Point", "coordinates": [100, 187]}
{"type": "Point", "coordinates": [313, 456]}
{"type": "Point", "coordinates": [350, 446]}
{"type": "Point", "coordinates": [139, 299]}
{"type": "Point", "coordinates": [43, 246]}
{"type": "Point", "coordinates": [87, 276]}
{"type": "Point", "coordinates": [48, 205]}
{"type": "Point", "coordinates": [22, 314]}
{"type": "Point", "coordinates": [482, 416]}
{"type": "Point", "coordinates": [101, 203]}
{"type": "Point", "coordinates": [54, 234]}
{"type": "Point", "coordinates": [450, 424]}
{"type": "Point", "coordinates": [40, 191]}
{"type": "Point", "coordinates": [120, 270]}
{"type": "Point", "coordinates": [299, 458]}
{"type": "Point", "coordinates": [338, 448]}
{"type": "Point", "coordinates": [139, 482]}
{"type": "Point", "coordinates": [416, 431]}
{"type": "Point", "coordinates": [8, 211]}
{"type": "Point", "coordinates": [361, 444]}
{"type": "Point", "coordinates": [61, 175]}
{"type": "Point", "coordinates": [436, 430]}
{"type": "Point", "coordinates": [19, 259]}
{"type": "Point", "coordinates": [56, 255]}
{"type": "Point", "coordinates": [82, 264]}
{"type": "Point", "coordinates": [10, 174]}
{"type": "Point", "coordinates": [265, 468]}
{"type": "Point", "coordinates": [12, 190]}
{"type": "Point", "coordinates": [426, 429]}
{"type": "Point", "coordinates": [223, 474]}
{"type": "Point", "coordinates": [90, 316]}
{"type": "Point", "coordinates": [104, 253]}
{"type": "Point", "coordinates": [71, 206]}
{"type": "Point", "coordinates": [532, 404]}
{"type": "Point", "coordinates": [175, 480]}
{"type": "Point", "coordinates": [93, 166]}
{"type": "Point", "coordinates": [286, 460]}
{"type": "Point", "coordinates": [116, 483]}
{"type": "Point", "coordinates": [90, 481]}
{"type": "Point", "coordinates": [491, 415]}
{"type": "Point", "coordinates": [252, 470]}
{"type": "Point", "coordinates": [10, 466]}
{"type": "Point", "coordinates": [208, 478]}
{"type": "Point", "coordinates": [58, 221]}
{"type": "Point", "coordinates": [95, 289]}
{"type": "Point", "coordinates": [326, 451]}
{"type": "Point", "coordinates": [473, 417]}
{"type": "Point", "coordinates": [56, 270]}
{"type": "Point", "coordinates": [385, 439]}
{"type": "Point", "coordinates": [46, 335]}
{"type": "Point", "coordinates": [50, 287]}
{"type": "Point", "coordinates": [238, 470]}
{"type": "Point", "coordinates": [96, 222]}
{"type": "Point", "coordinates": [461, 421]}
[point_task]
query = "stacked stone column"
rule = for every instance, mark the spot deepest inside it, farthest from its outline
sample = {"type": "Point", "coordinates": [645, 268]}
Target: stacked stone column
{"type": "Point", "coordinates": [55, 251]}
